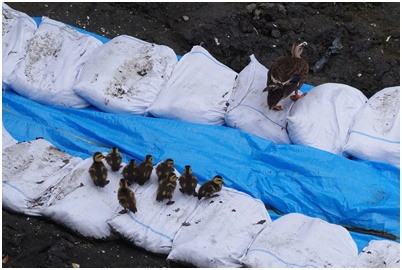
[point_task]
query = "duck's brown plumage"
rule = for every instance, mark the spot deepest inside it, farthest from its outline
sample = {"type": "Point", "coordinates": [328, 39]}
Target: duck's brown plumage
{"type": "Point", "coordinates": [98, 170]}
{"type": "Point", "coordinates": [164, 168]}
{"type": "Point", "coordinates": [211, 187]}
{"type": "Point", "coordinates": [166, 188]}
{"type": "Point", "coordinates": [287, 74]}
{"type": "Point", "coordinates": [114, 159]}
{"type": "Point", "coordinates": [144, 170]}
{"type": "Point", "coordinates": [126, 197]}
{"type": "Point", "coordinates": [188, 182]}
{"type": "Point", "coordinates": [130, 171]}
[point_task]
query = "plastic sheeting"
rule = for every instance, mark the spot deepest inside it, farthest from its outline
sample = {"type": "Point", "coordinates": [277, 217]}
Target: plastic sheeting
{"type": "Point", "coordinates": [290, 178]}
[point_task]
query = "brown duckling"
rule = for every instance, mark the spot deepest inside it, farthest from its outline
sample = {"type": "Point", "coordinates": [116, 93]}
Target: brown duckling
{"type": "Point", "coordinates": [130, 171]}
{"type": "Point", "coordinates": [126, 197]}
{"type": "Point", "coordinates": [114, 159]}
{"type": "Point", "coordinates": [98, 170]}
{"type": "Point", "coordinates": [164, 168]}
{"type": "Point", "coordinates": [287, 74]}
{"type": "Point", "coordinates": [144, 170]}
{"type": "Point", "coordinates": [166, 188]}
{"type": "Point", "coordinates": [209, 188]}
{"type": "Point", "coordinates": [188, 181]}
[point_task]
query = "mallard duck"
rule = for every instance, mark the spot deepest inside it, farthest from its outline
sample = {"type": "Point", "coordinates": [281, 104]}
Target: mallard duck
{"type": "Point", "coordinates": [130, 171]}
{"type": "Point", "coordinates": [188, 181]}
{"type": "Point", "coordinates": [114, 159]}
{"type": "Point", "coordinates": [166, 187]}
{"type": "Point", "coordinates": [144, 170]}
{"type": "Point", "coordinates": [126, 197]}
{"type": "Point", "coordinates": [98, 170]}
{"type": "Point", "coordinates": [287, 74]}
{"type": "Point", "coordinates": [164, 168]}
{"type": "Point", "coordinates": [209, 188]}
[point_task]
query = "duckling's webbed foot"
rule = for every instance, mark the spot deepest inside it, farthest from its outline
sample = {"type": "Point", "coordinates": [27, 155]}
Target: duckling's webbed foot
{"type": "Point", "coordinates": [296, 96]}
{"type": "Point", "coordinates": [170, 203]}
{"type": "Point", "coordinates": [123, 211]}
{"type": "Point", "coordinates": [277, 108]}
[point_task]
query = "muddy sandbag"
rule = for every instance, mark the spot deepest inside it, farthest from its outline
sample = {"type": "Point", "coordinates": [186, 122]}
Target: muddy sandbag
{"type": "Point", "coordinates": [379, 254]}
{"type": "Point", "coordinates": [198, 90]}
{"type": "Point", "coordinates": [125, 75]}
{"type": "Point", "coordinates": [7, 139]}
{"type": "Point", "coordinates": [30, 172]}
{"type": "Point", "coordinates": [375, 133]}
{"type": "Point", "coordinates": [83, 207]}
{"type": "Point", "coordinates": [18, 28]}
{"type": "Point", "coordinates": [155, 224]}
{"type": "Point", "coordinates": [295, 240]}
{"type": "Point", "coordinates": [323, 117]}
{"type": "Point", "coordinates": [55, 56]}
{"type": "Point", "coordinates": [219, 231]}
{"type": "Point", "coordinates": [248, 109]}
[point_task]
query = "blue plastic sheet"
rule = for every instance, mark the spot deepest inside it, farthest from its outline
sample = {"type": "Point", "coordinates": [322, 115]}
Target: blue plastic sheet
{"type": "Point", "coordinates": [290, 178]}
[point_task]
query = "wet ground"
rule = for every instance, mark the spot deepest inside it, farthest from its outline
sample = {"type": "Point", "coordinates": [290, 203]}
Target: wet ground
{"type": "Point", "coordinates": [368, 60]}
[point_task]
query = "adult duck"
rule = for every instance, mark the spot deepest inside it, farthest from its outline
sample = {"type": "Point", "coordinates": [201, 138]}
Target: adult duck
{"type": "Point", "coordinates": [287, 74]}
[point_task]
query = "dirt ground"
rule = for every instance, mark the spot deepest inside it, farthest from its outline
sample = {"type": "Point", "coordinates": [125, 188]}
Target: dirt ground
{"type": "Point", "coordinates": [231, 32]}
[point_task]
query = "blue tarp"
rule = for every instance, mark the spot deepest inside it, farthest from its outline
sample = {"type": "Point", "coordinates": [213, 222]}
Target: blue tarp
{"type": "Point", "coordinates": [290, 178]}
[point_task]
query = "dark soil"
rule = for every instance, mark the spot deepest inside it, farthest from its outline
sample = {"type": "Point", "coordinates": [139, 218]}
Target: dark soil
{"type": "Point", "coordinates": [231, 32]}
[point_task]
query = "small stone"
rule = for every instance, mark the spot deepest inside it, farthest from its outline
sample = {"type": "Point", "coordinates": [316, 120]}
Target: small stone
{"type": "Point", "coordinates": [250, 8]}
{"type": "Point", "coordinates": [186, 18]}
{"type": "Point", "coordinates": [275, 33]}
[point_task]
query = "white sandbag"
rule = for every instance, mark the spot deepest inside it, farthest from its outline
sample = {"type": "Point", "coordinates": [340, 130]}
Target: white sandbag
{"type": "Point", "coordinates": [219, 231]}
{"type": "Point", "coordinates": [30, 171]}
{"type": "Point", "coordinates": [55, 55]}
{"type": "Point", "coordinates": [18, 28]}
{"type": "Point", "coordinates": [295, 240]}
{"type": "Point", "coordinates": [323, 117]}
{"type": "Point", "coordinates": [83, 207]}
{"type": "Point", "coordinates": [379, 254]}
{"type": "Point", "coordinates": [248, 109]}
{"type": "Point", "coordinates": [155, 224]}
{"type": "Point", "coordinates": [125, 75]}
{"type": "Point", "coordinates": [198, 90]}
{"type": "Point", "coordinates": [374, 134]}
{"type": "Point", "coordinates": [8, 140]}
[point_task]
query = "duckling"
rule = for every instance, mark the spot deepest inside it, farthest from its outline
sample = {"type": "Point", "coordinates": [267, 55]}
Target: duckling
{"type": "Point", "coordinates": [144, 170]}
{"type": "Point", "coordinates": [126, 197]}
{"type": "Point", "coordinates": [164, 168]}
{"type": "Point", "coordinates": [211, 187]}
{"type": "Point", "coordinates": [98, 170]}
{"type": "Point", "coordinates": [130, 171]}
{"type": "Point", "coordinates": [188, 181]}
{"type": "Point", "coordinates": [114, 159]}
{"type": "Point", "coordinates": [287, 74]}
{"type": "Point", "coordinates": [166, 188]}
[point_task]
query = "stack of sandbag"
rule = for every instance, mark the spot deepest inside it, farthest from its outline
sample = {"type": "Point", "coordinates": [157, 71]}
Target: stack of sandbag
{"type": "Point", "coordinates": [54, 57]}
{"type": "Point", "coordinates": [198, 90]}
{"type": "Point", "coordinates": [379, 254]}
{"type": "Point", "coordinates": [125, 75]}
{"type": "Point", "coordinates": [30, 173]}
{"type": "Point", "coordinates": [374, 134]}
{"type": "Point", "coordinates": [248, 110]}
{"type": "Point", "coordinates": [323, 117]}
{"type": "Point", "coordinates": [18, 29]}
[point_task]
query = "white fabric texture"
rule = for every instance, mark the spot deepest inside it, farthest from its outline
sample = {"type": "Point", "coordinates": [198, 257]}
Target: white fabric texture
{"type": "Point", "coordinates": [295, 240]}
{"type": "Point", "coordinates": [30, 173]}
{"type": "Point", "coordinates": [219, 231]}
{"type": "Point", "coordinates": [248, 109]}
{"type": "Point", "coordinates": [379, 254]}
{"type": "Point", "coordinates": [198, 90]}
{"type": "Point", "coordinates": [375, 133]}
{"type": "Point", "coordinates": [7, 139]}
{"type": "Point", "coordinates": [54, 58]}
{"type": "Point", "coordinates": [18, 28]}
{"type": "Point", "coordinates": [323, 117]}
{"type": "Point", "coordinates": [125, 75]}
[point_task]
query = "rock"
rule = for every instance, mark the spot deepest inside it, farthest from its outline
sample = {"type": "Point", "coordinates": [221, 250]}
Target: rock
{"type": "Point", "coordinates": [275, 33]}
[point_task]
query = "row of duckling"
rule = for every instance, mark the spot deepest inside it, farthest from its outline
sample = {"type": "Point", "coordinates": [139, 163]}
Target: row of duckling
{"type": "Point", "coordinates": [167, 179]}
